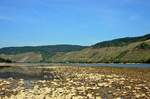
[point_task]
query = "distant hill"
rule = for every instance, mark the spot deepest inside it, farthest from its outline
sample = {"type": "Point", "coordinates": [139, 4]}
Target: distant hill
{"type": "Point", "coordinates": [121, 41]}
{"type": "Point", "coordinates": [122, 50]}
{"type": "Point", "coordinates": [37, 53]}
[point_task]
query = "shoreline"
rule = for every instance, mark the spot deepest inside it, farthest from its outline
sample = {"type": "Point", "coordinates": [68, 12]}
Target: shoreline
{"type": "Point", "coordinates": [127, 65]}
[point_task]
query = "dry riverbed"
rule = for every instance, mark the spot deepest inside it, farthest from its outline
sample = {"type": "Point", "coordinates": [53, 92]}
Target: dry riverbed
{"type": "Point", "coordinates": [68, 82]}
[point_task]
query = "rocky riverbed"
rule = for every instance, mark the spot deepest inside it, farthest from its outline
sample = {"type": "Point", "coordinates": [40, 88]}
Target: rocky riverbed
{"type": "Point", "coordinates": [67, 82]}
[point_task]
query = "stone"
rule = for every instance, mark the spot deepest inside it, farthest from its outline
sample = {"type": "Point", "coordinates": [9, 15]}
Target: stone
{"type": "Point", "coordinates": [129, 87]}
{"type": "Point", "coordinates": [137, 95]}
{"type": "Point", "coordinates": [118, 98]}
{"type": "Point", "coordinates": [90, 96]}
{"type": "Point", "coordinates": [99, 97]}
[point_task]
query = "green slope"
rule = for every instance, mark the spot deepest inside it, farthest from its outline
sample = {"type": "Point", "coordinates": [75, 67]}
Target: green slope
{"type": "Point", "coordinates": [123, 50]}
{"type": "Point", "coordinates": [132, 51]}
{"type": "Point", "coordinates": [32, 54]}
{"type": "Point", "coordinates": [121, 41]}
{"type": "Point", "coordinates": [23, 57]}
{"type": "Point", "coordinates": [2, 60]}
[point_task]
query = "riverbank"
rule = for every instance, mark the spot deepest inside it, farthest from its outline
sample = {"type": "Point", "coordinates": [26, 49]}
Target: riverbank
{"type": "Point", "coordinates": [69, 82]}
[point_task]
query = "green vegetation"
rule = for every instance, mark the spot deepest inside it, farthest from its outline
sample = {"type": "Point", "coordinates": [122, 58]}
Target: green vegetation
{"type": "Point", "coordinates": [45, 51]}
{"type": "Point", "coordinates": [42, 49]}
{"type": "Point", "coordinates": [5, 60]}
{"type": "Point", "coordinates": [123, 50]}
{"type": "Point", "coordinates": [143, 46]}
{"type": "Point", "coordinates": [121, 41]}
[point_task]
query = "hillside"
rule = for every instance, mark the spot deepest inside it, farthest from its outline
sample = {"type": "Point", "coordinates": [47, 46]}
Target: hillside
{"type": "Point", "coordinates": [23, 57]}
{"type": "Point", "coordinates": [2, 60]}
{"type": "Point", "coordinates": [121, 41]}
{"type": "Point", "coordinates": [122, 50]}
{"type": "Point", "coordinates": [37, 53]}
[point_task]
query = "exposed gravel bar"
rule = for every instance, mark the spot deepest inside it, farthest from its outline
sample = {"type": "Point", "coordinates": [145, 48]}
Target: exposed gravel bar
{"type": "Point", "coordinates": [70, 82]}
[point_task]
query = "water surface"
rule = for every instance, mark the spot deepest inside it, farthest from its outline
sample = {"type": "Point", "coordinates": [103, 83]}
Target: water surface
{"type": "Point", "coordinates": [115, 65]}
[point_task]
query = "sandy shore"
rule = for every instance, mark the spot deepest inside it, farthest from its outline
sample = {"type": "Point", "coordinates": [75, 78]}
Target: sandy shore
{"type": "Point", "coordinates": [68, 82]}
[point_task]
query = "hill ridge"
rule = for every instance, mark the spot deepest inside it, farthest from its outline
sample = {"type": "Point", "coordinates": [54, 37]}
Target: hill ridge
{"type": "Point", "coordinates": [121, 50]}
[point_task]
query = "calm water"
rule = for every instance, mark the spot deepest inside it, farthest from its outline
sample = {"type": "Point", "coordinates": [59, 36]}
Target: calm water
{"type": "Point", "coordinates": [116, 65]}
{"type": "Point", "coordinates": [74, 64]}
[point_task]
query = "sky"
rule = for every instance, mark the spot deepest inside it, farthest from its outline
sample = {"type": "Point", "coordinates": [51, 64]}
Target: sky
{"type": "Point", "coordinates": [79, 22]}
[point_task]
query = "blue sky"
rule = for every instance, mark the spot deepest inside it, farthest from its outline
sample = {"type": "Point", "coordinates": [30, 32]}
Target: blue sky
{"type": "Point", "coordinates": [82, 22]}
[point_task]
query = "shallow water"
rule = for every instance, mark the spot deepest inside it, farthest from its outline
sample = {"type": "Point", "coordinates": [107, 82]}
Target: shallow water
{"type": "Point", "coordinates": [138, 65]}
{"type": "Point", "coordinates": [116, 65]}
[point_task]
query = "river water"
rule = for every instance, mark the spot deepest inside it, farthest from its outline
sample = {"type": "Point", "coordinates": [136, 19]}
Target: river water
{"type": "Point", "coordinates": [114, 65]}
{"type": "Point", "coordinates": [139, 65]}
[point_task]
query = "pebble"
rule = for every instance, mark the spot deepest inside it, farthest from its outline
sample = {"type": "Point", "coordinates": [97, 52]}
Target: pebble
{"type": "Point", "coordinates": [80, 86]}
{"type": "Point", "coordinates": [98, 97]}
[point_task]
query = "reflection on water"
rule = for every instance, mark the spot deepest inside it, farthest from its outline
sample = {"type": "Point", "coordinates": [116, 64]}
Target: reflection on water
{"type": "Point", "coordinates": [28, 74]}
{"type": "Point", "coordinates": [74, 64]}
{"type": "Point", "coordinates": [115, 65]}
{"type": "Point", "coordinates": [25, 73]}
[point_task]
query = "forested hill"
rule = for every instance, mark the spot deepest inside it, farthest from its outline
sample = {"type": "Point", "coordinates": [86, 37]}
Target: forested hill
{"type": "Point", "coordinates": [122, 50]}
{"type": "Point", "coordinates": [36, 53]}
{"type": "Point", "coordinates": [121, 41]}
{"type": "Point", "coordinates": [48, 49]}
